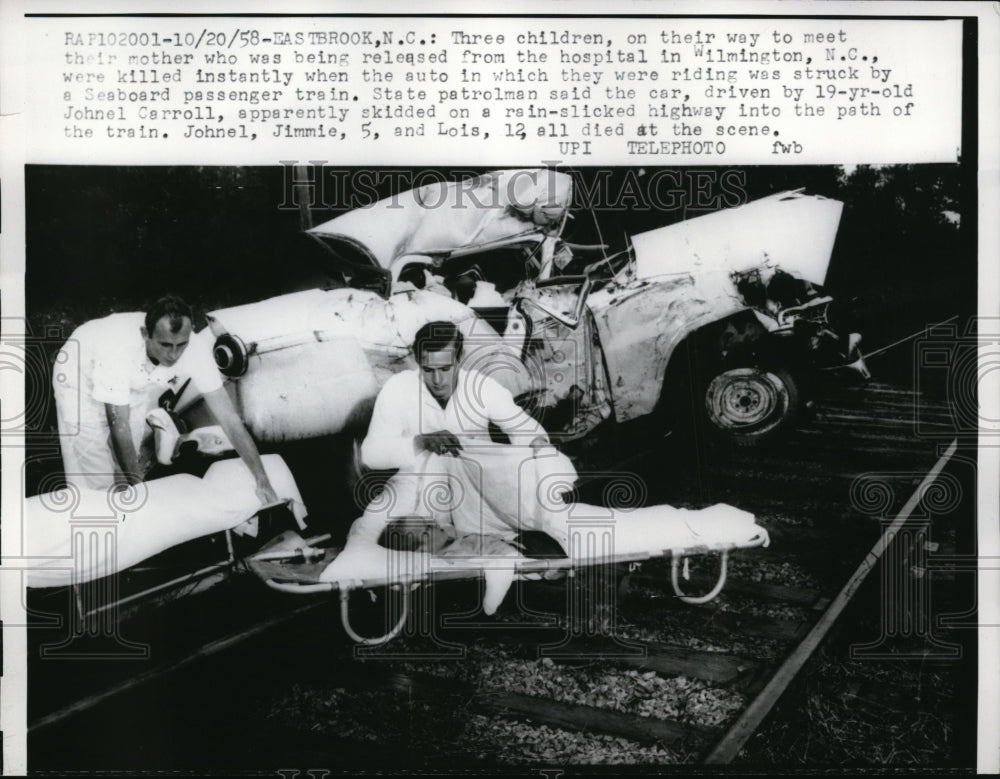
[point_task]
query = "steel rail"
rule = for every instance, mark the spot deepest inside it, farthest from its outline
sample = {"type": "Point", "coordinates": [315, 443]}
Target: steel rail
{"type": "Point", "coordinates": [753, 715]}
{"type": "Point", "coordinates": [205, 650]}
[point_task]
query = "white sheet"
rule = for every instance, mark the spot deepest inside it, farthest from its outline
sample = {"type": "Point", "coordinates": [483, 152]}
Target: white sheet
{"type": "Point", "coordinates": [74, 537]}
{"type": "Point", "coordinates": [590, 534]}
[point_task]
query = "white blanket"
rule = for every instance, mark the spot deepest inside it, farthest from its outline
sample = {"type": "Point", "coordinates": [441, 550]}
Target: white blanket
{"type": "Point", "coordinates": [492, 492]}
{"type": "Point", "coordinates": [589, 534]}
{"type": "Point", "coordinates": [491, 489]}
{"type": "Point", "coordinates": [76, 536]}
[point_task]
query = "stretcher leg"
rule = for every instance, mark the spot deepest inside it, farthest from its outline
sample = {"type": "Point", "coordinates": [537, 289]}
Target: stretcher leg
{"type": "Point", "coordinates": [376, 641]}
{"type": "Point", "coordinates": [696, 599]}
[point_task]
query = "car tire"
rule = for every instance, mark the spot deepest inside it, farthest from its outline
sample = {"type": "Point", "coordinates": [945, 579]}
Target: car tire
{"type": "Point", "coordinates": [749, 405]}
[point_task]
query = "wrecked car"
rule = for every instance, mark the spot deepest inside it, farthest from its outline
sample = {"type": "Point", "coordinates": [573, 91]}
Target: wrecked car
{"type": "Point", "coordinates": [719, 321]}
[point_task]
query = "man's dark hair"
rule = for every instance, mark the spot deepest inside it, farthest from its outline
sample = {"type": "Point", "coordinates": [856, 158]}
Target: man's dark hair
{"type": "Point", "coordinates": [173, 308]}
{"type": "Point", "coordinates": [436, 337]}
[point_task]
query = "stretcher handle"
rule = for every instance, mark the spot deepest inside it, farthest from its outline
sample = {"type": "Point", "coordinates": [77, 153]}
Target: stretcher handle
{"type": "Point", "coordinates": [300, 589]}
{"type": "Point", "coordinates": [378, 640]}
{"type": "Point", "coordinates": [696, 599]}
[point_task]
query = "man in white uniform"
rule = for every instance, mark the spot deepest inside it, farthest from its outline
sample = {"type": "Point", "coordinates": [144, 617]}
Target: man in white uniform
{"type": "Point", "coordinates": [114, 370]}
{"type": "Point", "coordinates": [439, 409]}
{"type": "Point", "coordinates": [437, 406]}
{"type": "Point", "coordinates": [433, 424]}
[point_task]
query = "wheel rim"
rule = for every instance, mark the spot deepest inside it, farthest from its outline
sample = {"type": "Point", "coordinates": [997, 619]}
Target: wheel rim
{"type": "Point", "coordinates": [746, 401]}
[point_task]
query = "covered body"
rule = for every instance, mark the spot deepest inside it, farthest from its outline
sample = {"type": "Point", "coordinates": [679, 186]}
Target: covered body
{"type": "Point", "coordinates": [73, 536]}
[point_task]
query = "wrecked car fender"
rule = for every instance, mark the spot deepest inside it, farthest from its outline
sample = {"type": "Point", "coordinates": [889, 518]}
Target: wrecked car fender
{"type": "Point", "coordinates": [641, 325]}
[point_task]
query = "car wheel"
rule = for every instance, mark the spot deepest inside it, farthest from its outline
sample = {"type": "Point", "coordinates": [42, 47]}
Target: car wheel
{"type": "Point", "coordinates": [749, 405]}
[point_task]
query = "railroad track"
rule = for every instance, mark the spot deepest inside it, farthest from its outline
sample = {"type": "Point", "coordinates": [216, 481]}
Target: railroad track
{"type": "Point", "coordinates": [658, 681]}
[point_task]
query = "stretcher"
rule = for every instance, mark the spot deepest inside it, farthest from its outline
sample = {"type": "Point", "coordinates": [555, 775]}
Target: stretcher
{"type": "Point", "coordinates": [119, 553]}
{"type": "Point", "coordinates": [586, 536]}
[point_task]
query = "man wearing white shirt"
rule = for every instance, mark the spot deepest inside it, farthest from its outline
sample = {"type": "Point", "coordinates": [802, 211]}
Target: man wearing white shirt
{"type": "Point", "coordinates": [439, 409]}
{"type": "Point", "coordinates": [438, 406]}
{"type": "Point", "coordinates": [123, 366]}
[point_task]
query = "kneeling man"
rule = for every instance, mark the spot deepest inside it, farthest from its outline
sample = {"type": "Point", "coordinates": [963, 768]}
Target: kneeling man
{"type": "Point", "coordinates": [115, 370]}
{"type": "Point", "coordinates": [440, 409]}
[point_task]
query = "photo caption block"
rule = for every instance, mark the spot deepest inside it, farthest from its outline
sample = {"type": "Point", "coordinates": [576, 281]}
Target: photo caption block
{"type": "Point", "coordinates": [407, 89]}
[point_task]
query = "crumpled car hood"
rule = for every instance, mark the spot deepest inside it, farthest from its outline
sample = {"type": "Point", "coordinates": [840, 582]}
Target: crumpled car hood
{"type": "Point", "coordinates": [789, 230]}
{"type": "Point", "coordinates": [440, 217]}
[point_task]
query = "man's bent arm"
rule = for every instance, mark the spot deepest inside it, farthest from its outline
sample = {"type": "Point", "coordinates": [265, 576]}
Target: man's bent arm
{"type": "Point", "coordinates": [222, 408]}
{"type": "Point", "coordinates": [519, 426]}
{"type": "Point", "coordinates": [121, 442]}
{"type": "Point", "coordinates": [390, 442]}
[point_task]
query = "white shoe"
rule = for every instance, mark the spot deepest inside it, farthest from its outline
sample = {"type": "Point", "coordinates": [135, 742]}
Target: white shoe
{"type": "Point", "coordinates": [165, 435]}
{"type": "Point", "coordinates": [498, 581]}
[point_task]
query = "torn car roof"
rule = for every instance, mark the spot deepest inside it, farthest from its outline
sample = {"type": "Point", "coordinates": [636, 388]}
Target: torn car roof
{"type": "Point", "coordinates": [440, 217]}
